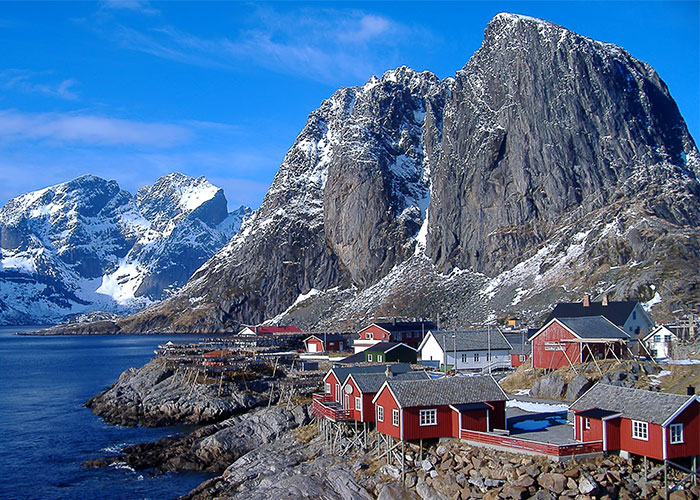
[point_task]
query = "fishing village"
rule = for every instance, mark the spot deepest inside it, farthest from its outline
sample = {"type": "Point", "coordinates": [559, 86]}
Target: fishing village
{"type": "Point", "coordinates": [598, 402]}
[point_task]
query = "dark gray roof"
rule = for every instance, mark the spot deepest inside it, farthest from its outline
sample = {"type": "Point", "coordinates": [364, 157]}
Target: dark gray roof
{"type": "Point", "coordinates": [342, 373]}
{"type": "Point", "coordinates": [594, 327]}
{"type": "Point", "coordinates": [617, 312]}
{"type": "Point", "coordinates": [358, 357]}
{"type": "Point", "coordinates": [407, 326]}
{"type": "Point", "coordinates": [636, 404]}
{"type": "Point", "coordinates": [516, 340]}
{"type": "Point", "coordinates": [471, 340]}
{"type": "Point", "coordinates": [385, 346]}
{"type": "Point", "coordinates": [372, 382]}
{"type": "Point", "coordinates": [446, 391]}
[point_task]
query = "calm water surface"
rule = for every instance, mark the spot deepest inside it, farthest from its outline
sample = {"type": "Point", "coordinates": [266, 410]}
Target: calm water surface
{"type": "Point", "coordinates": [45, 432]}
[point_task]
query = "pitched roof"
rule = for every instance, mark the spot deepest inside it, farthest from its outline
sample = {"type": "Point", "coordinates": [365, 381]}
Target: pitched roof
{"type": "Point", "coordinates": [372, 382]}
{"type": "Point", "coordinates": [615, 311]}
{"type": "Point", "coordinates": [446, 391]}
{"type": "Point", "coordinates": [659, 330]}
{"type": "Point", "coordinates": [635, 404]}
{"type": "Point", "coordinates": [518, 345]}
{"type": "Point", "coordinates": [386, 346]}
{"type": "Point", "coordinates": [406, 326]}
{"type": "Point", "coordinates": [342, 372]}
{"type": "Point", "coordinates": [358, 357]}
{"type": "Point", "coordinates": [260, 329]}
{"type": "Point", "coordinates": [471, 340]}
{"type": "Point", "coordinates": [594, 327]}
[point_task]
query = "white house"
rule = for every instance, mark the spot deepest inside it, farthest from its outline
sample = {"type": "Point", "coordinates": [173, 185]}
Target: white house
{"type": "Point", "coordinates": [466, 349]}
{"type": "Point", "coordinates": [660, 342]}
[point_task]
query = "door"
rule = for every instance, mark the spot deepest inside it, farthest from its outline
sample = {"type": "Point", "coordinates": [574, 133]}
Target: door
{"type": "Point", "coordinates": [313, 347]}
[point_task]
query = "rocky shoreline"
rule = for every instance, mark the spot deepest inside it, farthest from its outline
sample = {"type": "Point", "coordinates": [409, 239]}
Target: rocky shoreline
{"type": "Point", "coordinates": [263, 450]}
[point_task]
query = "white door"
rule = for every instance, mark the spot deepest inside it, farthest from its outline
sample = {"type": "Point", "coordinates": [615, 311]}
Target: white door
{"type": "Point", "coordinates": [312, 347]}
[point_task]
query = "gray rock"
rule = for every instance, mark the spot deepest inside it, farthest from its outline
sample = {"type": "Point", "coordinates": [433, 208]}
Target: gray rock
{"type": "Point", "coordinates": [427, 465]}
{"type": "Point", "coordinates": [390, 470]}
{"type": "Point", "coordinates": [550, 387]}
{"type": "Point", "coordinates": [427, 492]}
{"type": "Point", "coordinates": [576, 387]}
{"type": "Point", "coordinates": [587, 485]}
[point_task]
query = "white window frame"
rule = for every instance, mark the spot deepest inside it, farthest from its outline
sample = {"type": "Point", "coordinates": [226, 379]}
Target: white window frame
{"type": "Point", "coordinates": [522, 358]}
{"type": "Point", "coordinates": [369, 336]}
{"type": "Point", "coordinates": [327, 389]}
{"type": "Point", "coordinates": [369, 357]}
{"type": "Point", "coordinates": [428, 417]}
{"type": "Point", "coordinates": [395, 417]}
{"type": "Point", "coordinates": [337, 393]}
{"type": "Point", "coordinates": [379, 358]}
{"type": "Point", "coordinates": [586, 423]}
{"type": "Point", "coordinates": [676, 433]}
{"type": "Point", "coordinates": [554, 346]}
{"type": "Point", "coordinates": [640, 430]}
{"type": "Point", "coordinates": [380, 413]}
{"type": "Point", "coordinates": [476, 357]}
{"type": "Point", "coordinates": [465, 358]}
{"type": "Point", "coordinates": [358, 403]}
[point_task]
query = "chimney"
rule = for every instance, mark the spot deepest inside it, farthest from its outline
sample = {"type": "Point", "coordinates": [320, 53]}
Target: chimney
{"type": "Point", "coordinates": [690, 390]}
{"type": "Point", "coordinates": [605, 299]}
{"type": "Point", "coordinates": [388, 373]}
{"type": "Point", "coordinates": [586, 300]}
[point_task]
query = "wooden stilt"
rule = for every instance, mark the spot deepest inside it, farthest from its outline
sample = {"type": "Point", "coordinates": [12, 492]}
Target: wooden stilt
{"type": "Point", "coordinates": [666, 479]}
{"type": "Point", "coordinates": [420, 452]}
{"type": "Point", "coordinates": [403, 463]}
{"type": "Point", "coordinates": [221, 380]}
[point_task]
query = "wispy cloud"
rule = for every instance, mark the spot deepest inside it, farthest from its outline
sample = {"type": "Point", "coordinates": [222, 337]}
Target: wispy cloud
{"type": "Point", "coordinates": [325, 45]}
{"type": "Point", "coordinates": [141, 6]}
{"type": "Point", "coordinates": [88, 129]}
{"type": "Point", "coordinates": [31, 82]}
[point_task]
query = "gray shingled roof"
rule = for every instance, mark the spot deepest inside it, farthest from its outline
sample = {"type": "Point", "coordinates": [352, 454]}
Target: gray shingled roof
{"type": "Point", "coordinates": [471, 340]}
{"type": "Point", "coordinates": [594, 327]}
{"type": "Point", "coordinates": [342, 372]}
{"type": "Point", "coordinates": [615, 311]}
{"type": "Point", "coordinates": [446, 391]}
{"type": "Point", "coordinates": [636, 404]}
{"type": "Point", "coordinates": [372, 382]}
{"type": "Point", "coordinates": [406, 326]}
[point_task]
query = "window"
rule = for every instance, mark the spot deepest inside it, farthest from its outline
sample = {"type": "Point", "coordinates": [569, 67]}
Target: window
{"type": "Point", "coordinates": [369, 358]}
{"type": "Point", "coordinates": [488, 356]}
{"type": "Point", "coordinates": [522, 358]}
{"type": "Point", "coordinates": [676, 433]}
{"type": "Point", "coordinates": [380, 414]}
{"type": "Point", "coordinates": [395, 417]}
{"type": "Point", "coordinates": [379, 358]}
{"type": "Point", "coordinates": [640, 430]}
{"type": "Point", "coordinates": [328, 388]}
{"type": "Point", "coordinates": [657, 338]}
{"type": "Point", "coordinates": [667, 338]}
{"type": "Point", "coordinates": [634, 314]}
{"type": "Point", "coordinates": [476, 357]}
{"type": "Point", "coordinates": [337, 392]}
{"type": "Point", "coordinates": [428, 417]}
{"type": "Point", "coordinates": [587, 423]}
{"type": "Point", "coordinates": [368, 335]}
{"type": "Point", "coordinates": [358, 404]}
{"type": "Point", "coordinates": [464, 358]}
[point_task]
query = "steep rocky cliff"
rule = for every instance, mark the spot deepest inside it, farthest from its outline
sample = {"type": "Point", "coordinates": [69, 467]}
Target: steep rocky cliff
{"type": "Point", "coordinates": [86, 244]}
{"type": "Point", "coordinates": [549, 166]}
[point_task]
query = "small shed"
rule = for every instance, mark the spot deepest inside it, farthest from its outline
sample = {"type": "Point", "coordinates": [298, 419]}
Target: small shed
{"type": "Point", "coordinates": [660, 342]}
{"type": "Point", "coordinates": [384, 352]}
{"type": "Point", "coordinates": [437, 408]}
{"type": "Point", "coordinates": [406, 332]}
{"type": "Point", "coordinates": [325, 342]}
{"type": "Point", "coordinates": [635, 421]}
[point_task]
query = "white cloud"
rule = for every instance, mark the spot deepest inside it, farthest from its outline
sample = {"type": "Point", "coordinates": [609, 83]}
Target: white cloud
{"type": "Point", "coordinates": [321, 44]}
{"type": "Point", "coordinates": [142, 6]}
{"type": "Point", "coordinates": [31, 82]}
{"type": "Point", "coordinates": [88, 129]}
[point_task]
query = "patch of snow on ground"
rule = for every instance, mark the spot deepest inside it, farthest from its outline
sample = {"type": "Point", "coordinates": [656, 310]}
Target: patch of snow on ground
{"type": "Point", "coordinates": [536, 407]}
{"type": "Point", "coordinates": [652, 302]}
{"type": "Point", "coordinates": [22, 263]}
{"type": "Point", "coordinates": [122, 284]}
{"type": "Point", "coordinates": [521, 392]}
{"type": "Point", "coordinates": [655, 378]}
{"type": "Point", "coordinates": [684, 362]}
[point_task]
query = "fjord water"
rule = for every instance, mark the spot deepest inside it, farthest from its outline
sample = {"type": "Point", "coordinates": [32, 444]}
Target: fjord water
{"type": "Point", "coordinates": [45, 432]}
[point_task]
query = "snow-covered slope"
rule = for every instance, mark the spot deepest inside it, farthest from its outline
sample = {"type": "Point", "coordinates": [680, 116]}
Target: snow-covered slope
{"type": "Point", "coordinates": [87, 245]}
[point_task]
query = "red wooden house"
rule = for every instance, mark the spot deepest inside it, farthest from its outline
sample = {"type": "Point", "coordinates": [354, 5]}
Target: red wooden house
{"type": "Point", "coordinates": [407, 332]}
{"type": "Point", "coordinates": [436, 408]}
{"type": "Point", "coordinates": [360, 388]}
{"type": "Point", "coordinates": [565, 341]}
{"type": "Point", "coordinates": [325, 342]}
{"type": "Point", "coordinates": [635, 421]}
{"type": "Point", "coordinates": [269, 330]}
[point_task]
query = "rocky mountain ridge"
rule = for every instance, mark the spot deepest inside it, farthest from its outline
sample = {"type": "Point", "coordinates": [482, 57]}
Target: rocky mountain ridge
{"type": "Point", "coordinates": [87, 245]}
{"type": "Point", "coordinates": [550, 166]}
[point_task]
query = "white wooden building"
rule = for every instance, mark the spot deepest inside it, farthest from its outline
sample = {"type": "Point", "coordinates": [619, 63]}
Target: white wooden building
{"type": "Point", "coordinates": [466, 349]}
{"type": "Point", "coordinates": [660, 342]}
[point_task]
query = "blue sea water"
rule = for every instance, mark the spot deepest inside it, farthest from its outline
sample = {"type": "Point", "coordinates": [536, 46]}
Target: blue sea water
{"type": "Point", "coordinates": [45, 432]}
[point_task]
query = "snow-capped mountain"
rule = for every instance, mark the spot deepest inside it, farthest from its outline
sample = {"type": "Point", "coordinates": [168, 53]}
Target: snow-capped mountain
{"type": "Point", "coordinates": [88, 245]}
{"type": "Point", "coordinates": [550, 166]}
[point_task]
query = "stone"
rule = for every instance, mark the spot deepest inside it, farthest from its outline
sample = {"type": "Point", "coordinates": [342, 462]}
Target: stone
{"type": "Point", "coordinates": [441, 450]}
{"type": "Point", "coordinates": [514, 492]}
{"type": "Point", "coordinates": [434, 473]}
{"type": "Point", "coordinates": [680, 495]}
{"type": "Point", "coordinates": [587, 485]}
{"type": "Point", "coordinates": [542, 495]}
{"type": "Point", "coordinates": [411, 479]}
{"type": "Point", "coordinates": [577, 387]}
{"type": "Point", "coordinates": [394, 491]}
{"type": "Point", "coordinates": [427, 492]}
{"type": "Point", "coordinates": [552, 481]}
{"type": "Point", "coordinates": [525, 481]}
{"type": "Point", "coordinates": [390, 470]}
{"type": "Point", "coordinates": [427, 465]}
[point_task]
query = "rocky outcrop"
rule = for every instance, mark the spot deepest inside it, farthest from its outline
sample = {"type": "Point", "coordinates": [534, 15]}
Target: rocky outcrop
{"type": "Point", "coordinates": [156, 394]}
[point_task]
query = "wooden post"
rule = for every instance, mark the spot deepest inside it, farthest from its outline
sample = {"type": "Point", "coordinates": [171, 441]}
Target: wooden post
{"type": "Point", "coordinates": [420, 453]}
{"type": "Point", "coordinates": [403, 463]}
{"type": "Point", "coordinates": [666, 479]}
{"type": "Point", "coordinates": [221, 379]}
{"type": "Point", "coordinates": [695, 470]}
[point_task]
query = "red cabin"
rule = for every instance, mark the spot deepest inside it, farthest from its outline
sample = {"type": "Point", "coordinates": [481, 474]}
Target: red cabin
{"type": "Point", "coordinates": [436, 408]}
{"type": "Point", "coordinates": [653, 424]}
{"type": "Point", "coordinates": [324, 343]}
{"type": "Point", "coordinates": [360, 388]}
{"type": "Point", "coordinates": [406, 332]}
{"type": "Point", "coordinates": [565, 341]}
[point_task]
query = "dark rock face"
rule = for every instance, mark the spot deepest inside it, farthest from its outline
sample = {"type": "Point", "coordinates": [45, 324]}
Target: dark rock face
{"type": "Point", "coordinates": [86, 244]}
{"type": "Point", "coordinates": [549, 166]}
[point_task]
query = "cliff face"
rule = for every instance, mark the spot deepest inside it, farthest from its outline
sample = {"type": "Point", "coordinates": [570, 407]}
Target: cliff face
{"type": "Point", "coordinates": [549, 166]}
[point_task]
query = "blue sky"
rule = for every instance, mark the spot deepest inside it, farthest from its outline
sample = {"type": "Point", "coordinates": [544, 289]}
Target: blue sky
{"type": "Point", "coordinates": [134, 90]}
